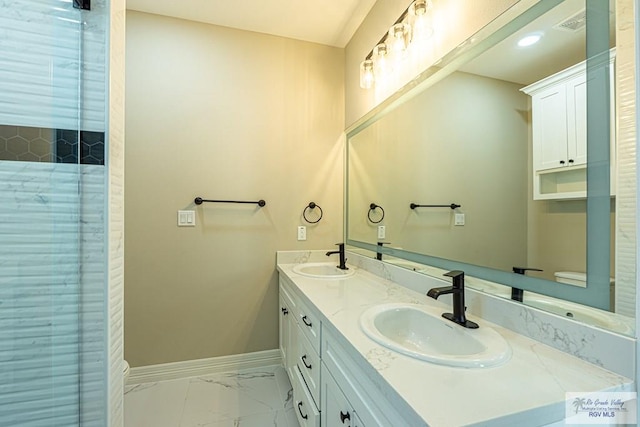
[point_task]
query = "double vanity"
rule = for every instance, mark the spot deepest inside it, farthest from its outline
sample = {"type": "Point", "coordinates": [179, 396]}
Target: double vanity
{"type": "Point", "coordinates": [363, 350]}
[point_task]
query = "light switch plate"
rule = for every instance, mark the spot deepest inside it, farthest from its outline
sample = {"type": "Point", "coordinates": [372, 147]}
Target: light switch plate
{"type": "Point", "coordinates": [458, 219]}
{"type": "Point", "coordinates": [382, 232]}
{"type": "Point", "coordinates": [186, 218]}
{"type": "Point", "coordinates": [302, 232]}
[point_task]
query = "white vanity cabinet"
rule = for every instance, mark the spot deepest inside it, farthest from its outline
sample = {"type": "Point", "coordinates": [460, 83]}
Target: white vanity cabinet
{"type": "Point", "coordinates": [300, 348]}
{"type": "Point", "coordinates": [559, 127]}
{"type": "Point", "coordinates": [326, 381]}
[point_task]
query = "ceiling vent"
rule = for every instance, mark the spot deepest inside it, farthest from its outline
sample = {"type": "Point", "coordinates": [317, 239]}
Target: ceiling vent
{"type": "Point", "coordinates": [573, 23]}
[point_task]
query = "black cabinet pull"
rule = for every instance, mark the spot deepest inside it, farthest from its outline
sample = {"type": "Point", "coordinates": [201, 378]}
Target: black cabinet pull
{"type": "Point", "coordinates": [285, 311]}
{"type": "Point", "coordinates": [562, 162]}
{"type": "Point", "coordinates": [306, 321]}
{"type": "Point", "coordinates": [304, 360]}
{"type": "Point", "coordinates": [570, 160]}
{"type": "Point", "coordinates": [304, 417]}
{"type": "Point", "coordinates": [344, 417]}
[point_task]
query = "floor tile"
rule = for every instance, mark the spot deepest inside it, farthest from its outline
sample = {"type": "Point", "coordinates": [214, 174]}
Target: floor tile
{"type": "Point", "coordinates": [155, 404]}
{"type": "Point", "coordinates": [270, 419]}
{"type": "Point", "coordinates": [284, 387]}
{"type": "Point", "coordinates": [249, 398]}
{"type": "Point", "coordinates": [222, 397]}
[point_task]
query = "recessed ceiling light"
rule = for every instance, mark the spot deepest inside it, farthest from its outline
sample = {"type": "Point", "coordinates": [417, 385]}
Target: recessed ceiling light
{"type": "Point", "coordinates": [529, 40]}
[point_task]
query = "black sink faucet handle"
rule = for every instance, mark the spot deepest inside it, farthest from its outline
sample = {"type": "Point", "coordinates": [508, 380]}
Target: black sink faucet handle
{"type": "Point", "coordinates": [523, 270]}
{"type": "Point", "coordinates": [458, 278]}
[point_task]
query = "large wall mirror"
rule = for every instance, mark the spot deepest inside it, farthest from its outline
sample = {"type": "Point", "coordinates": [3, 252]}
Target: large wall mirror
{"type": "Point", "coordinates": [510, 158]}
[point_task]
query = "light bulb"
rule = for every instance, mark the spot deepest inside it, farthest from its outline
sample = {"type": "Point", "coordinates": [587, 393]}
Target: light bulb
{"type": "Point", "coordinates": [366, 74]}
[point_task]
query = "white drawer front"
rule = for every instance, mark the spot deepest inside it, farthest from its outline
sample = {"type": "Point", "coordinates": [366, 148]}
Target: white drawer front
{"type": "Point", "coordinates": [306, 411]}
{"type": "Point", "coordinates": [308, 362]}
{"type": "Point", "coordinates": [309, 325]}
{"type": "Point", "coordinates": [285, 293]}
{"type": "Point", "coordinates": [336, 409]}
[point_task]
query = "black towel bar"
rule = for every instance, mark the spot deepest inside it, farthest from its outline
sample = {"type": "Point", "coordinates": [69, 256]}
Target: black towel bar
{"type": "Point", "coordinates": [451, 206]}
{"type": "Point", "coordinates": [200, 200]}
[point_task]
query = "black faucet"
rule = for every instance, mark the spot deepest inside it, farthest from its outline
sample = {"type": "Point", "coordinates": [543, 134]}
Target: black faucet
{"type": "Point", "coordinates": [516, 293]}
{"type": "Point", "coordinates": [340, 251]}
{"type": "Point", "coordinates": [458, 299]}
{"type": "Point", "coordinates": [378, 253]}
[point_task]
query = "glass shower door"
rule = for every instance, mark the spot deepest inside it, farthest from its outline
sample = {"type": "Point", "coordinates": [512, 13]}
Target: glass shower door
{"type": "Point", "coordinates": [42, 202]}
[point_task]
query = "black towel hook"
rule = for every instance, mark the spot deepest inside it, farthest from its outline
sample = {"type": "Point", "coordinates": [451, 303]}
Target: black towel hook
{"type": "Point", "coordinates": [312, 206]}
{"type": "Point", "coordinates": [373, 207]}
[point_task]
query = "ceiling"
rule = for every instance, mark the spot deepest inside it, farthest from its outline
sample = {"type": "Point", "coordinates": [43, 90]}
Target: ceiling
{"type": "Point", "coordinates": [331, 23]}
{"type": "Point", "coordinates": [335, 22]}
{"type": "Point", "coordinates": [557, 50]}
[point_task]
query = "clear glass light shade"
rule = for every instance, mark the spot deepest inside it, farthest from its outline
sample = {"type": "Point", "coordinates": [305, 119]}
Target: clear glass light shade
{"type": "Point", "coordinates": [380, 59]}
{"type": "Point", "coordinates": [421, 28]}
{"type": "Point", "coordinates": [398, 38]}
{"type": "Point", "coordinates": [366, 74]}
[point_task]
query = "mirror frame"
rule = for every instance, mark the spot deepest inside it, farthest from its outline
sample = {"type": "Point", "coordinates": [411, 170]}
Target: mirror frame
{"type": "Point", "coordinates": [596, 294]}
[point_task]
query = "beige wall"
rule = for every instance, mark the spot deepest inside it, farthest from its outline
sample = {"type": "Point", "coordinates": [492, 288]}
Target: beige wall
{"type": "Point", "coordinates": [558, 237]}
{"type": "Point", "coordinates": [454, 22]}
{"type": "Point", "coordinates": [463, 140]}
{"type": "Point", "coordinates": [228, 114]}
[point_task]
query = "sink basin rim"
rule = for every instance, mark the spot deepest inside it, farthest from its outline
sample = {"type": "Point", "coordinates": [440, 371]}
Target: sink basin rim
{"type": "Point", "coordinates": [324, 270]}
{"type": "Point", "coordinates": [496, 349]}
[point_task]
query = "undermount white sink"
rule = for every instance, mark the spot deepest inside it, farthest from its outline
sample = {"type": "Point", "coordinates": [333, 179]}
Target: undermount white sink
{"type": "Point", "coordinates": [322, 270]}
{"type": "Point", "coordinates": [421, 332]}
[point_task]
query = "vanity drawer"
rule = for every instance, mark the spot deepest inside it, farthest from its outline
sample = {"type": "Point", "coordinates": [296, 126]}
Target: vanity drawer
{"type": "Point", "coordinates": [309, 325]}
{"type": "Point", "coordinates": [308, 362]}
{"type": "Point", "coordinates": [285, 293]}
{"type": "Point", "coordinates": [306, 411]}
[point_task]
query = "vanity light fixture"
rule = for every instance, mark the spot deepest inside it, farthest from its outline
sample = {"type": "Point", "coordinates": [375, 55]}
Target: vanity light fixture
{"type": "Point", "coordinates": [529, 40]}
{"type": "Point", "coordinates": [411, 26]}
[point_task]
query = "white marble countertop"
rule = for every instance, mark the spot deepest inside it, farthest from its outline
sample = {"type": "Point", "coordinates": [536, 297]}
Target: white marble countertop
{"type": "Point", "coordinates": [529, 389]}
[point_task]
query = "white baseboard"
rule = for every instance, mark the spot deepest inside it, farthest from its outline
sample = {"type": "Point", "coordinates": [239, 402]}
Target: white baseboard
{"type": "Point", "coordinates": [200, 367]}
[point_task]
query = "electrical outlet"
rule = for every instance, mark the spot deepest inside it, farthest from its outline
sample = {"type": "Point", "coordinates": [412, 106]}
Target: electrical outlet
{"type": "Point", "coordinates": [302, 232]}
{"type": "Point", "coordinates": [382, 232]}
{"type": "Point", "coordinates": [186, 218]}
{"type": "Point", "coordinates": [458, 219]}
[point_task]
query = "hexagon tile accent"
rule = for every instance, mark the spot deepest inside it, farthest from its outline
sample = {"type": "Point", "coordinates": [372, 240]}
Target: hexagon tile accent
{"type": "Point", "coordinates": [30, 144]}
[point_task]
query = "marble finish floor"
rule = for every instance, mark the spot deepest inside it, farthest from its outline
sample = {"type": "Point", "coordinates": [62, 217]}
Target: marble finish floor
{"type": "Point", "coordinates": [249, 398]}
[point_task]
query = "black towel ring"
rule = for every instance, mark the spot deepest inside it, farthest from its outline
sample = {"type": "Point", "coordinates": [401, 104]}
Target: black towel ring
{"type": "Point", "coordinates": [373, 207]}
{"type": "Point", "coordinates": [311, 206]}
